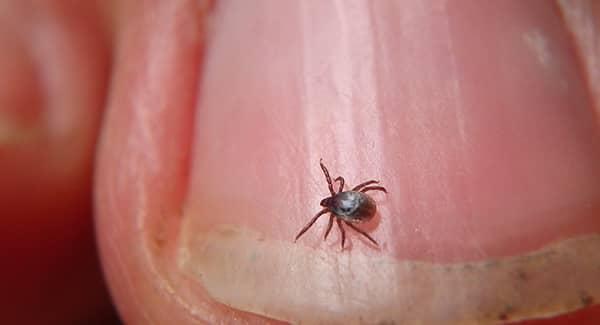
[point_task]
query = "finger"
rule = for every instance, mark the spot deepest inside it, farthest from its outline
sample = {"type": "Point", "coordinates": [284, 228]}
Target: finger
{"type": "Point", "coordinates": [54, 66]}
{"type": "Point", "coordinates": [476, 174]}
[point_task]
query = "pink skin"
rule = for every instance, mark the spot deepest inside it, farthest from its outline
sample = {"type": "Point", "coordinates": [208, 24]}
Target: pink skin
{"type": "Point", "coordinates": [480, 119]}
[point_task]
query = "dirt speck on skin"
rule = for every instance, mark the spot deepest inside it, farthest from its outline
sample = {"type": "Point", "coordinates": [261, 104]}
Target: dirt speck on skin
{"type": "Point", "coordinates": [289, 279]}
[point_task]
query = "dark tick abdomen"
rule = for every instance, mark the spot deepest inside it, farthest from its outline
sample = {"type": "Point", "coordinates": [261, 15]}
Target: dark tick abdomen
{"type": "Point", "coordinates": [353, 206]}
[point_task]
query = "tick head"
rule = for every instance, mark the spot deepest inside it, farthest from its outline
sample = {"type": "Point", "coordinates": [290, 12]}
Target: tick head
{"type": "Point", "coordinates": [326, 202]}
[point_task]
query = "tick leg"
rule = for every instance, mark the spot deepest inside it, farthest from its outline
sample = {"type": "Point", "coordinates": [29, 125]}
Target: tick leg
{"type": "Point", "coordinates": [329, 226]}
{"type": "Point", "coordinates": [341, 180]}
{"type": "Point", "coordinates": [339, 222]}
{"type": "Point", "coordinates": [361, 185]}
{"type": "Point", "coordinates": [371, 188]}
{"type": "Point", "coordinates": [362, 232]}
{"type": "Point", "coordinates": [326, 172]}
{"type": "Point", "coordinates": [310, 223]}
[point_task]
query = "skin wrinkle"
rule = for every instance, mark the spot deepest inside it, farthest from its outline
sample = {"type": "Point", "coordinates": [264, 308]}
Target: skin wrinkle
{"type": "Point", "coordinates": [523, 286]}
{"type": "Point", "coordinates": [155, 71]}
{"type": "Point", "coordinates": [141, 168]}
{"type": "Point", "coordinates": [120, 265]}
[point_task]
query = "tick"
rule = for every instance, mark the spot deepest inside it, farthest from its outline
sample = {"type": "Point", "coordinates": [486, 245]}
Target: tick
{"type": "Point", "coordinates": [349, 207]}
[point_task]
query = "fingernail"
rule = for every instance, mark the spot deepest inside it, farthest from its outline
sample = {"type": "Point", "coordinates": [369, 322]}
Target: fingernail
{"type": "Point", "coordinates": [482, 180]}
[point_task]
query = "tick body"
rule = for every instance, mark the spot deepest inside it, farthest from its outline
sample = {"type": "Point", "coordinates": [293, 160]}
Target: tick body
{"type": "Point", "coordinates": [351, 206]}
{"type": "Point", "coordinates": [348, 207]}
